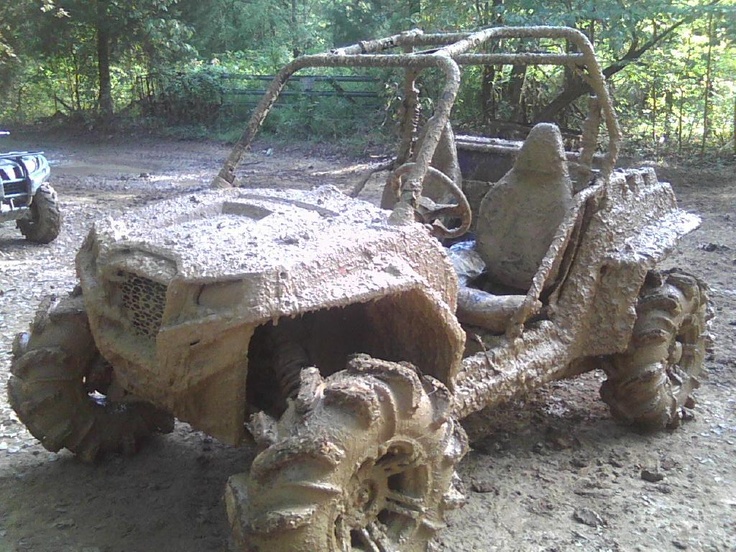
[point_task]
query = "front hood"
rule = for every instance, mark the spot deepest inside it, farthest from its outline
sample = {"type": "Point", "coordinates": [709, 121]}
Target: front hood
{"type": "Point", "coordinates": [284, 251]}
{"type": "Point", "coordinates": [222, 234]}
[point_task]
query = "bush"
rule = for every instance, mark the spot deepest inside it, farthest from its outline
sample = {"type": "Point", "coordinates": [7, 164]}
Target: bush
{"type": "Point", "coordinates": [190, 97]}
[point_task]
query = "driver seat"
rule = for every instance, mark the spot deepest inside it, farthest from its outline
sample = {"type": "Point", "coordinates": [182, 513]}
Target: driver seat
{"type": "Point", "coordinates": [519, 216]}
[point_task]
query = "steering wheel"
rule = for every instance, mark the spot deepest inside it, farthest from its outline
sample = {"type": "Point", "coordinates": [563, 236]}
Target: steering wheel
{"type": "Point", "coordinates": [430, 212]}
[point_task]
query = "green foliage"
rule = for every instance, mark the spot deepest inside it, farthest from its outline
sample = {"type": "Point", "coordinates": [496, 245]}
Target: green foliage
{"type": "Point", "coordinates": [671, 63]}
{"type": "Point", "coordinates": [351, 22]}
{"type": "Point", "coordinates": [297, 26]}
{"type": "Point", "coordinates": [662, 99]}
{"type": "Point", "coordinates": [56, 41]}
{"type": "Point", "coordinates": [190, 97]}
{"type": "Point", "coordinates": [655, 53]}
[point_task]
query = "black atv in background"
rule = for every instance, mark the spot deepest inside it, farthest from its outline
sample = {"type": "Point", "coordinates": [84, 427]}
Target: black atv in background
{"type": "Point", "coordinates": [26, 197]}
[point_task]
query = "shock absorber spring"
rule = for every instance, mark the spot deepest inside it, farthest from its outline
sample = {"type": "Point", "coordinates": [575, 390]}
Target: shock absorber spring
{"type": "Point", "coordinates": [289, 356]}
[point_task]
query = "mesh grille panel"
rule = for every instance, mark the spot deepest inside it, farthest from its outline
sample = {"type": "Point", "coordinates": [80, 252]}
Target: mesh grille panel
{"type": "Point", "coordinates": [14, 189]}
{"type": "Point", "coordinates": [143, 301]}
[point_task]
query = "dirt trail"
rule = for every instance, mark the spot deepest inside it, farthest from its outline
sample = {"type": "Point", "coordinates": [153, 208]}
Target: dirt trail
{"type": "Point", "coordinates": [551, 472]}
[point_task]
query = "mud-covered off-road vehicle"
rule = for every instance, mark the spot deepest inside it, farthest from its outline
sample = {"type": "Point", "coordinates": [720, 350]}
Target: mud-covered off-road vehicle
{"type": "Point", "coordinates": [346, 339]}
{"type": "Point", "coordinates": [26, 197]}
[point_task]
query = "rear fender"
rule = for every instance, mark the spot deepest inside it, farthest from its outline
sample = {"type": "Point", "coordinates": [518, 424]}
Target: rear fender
{"type": "Point", "coordinates": [621, 276]}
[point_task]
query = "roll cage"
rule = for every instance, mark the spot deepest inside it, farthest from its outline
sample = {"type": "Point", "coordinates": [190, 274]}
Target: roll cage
{"type": "Point", "coordinates": [416, 51]}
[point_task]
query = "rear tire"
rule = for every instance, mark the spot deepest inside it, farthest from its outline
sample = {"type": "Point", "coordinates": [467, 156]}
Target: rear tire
{"type": "Point", "coordinates": [45, 222]}
{"type": "Point", "coordinates": [59, 384]}
{"type": "Point", "coordinates": [650, 384]}
{"type": "Point", "coordinates": [365, 460]}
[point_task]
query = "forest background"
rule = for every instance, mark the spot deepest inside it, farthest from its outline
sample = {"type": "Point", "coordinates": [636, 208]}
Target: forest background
{"type": "Point", "coordinates": [194, 68]}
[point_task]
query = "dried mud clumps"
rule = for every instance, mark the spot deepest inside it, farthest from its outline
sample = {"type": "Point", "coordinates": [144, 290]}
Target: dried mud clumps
{"type": "Point", "coordinates": [519, 216]}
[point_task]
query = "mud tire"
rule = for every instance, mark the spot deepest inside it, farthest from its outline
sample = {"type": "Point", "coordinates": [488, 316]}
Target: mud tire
{"type": "Point", "coordinates": [45, 222]}
{"type": "Point", "coordinates": [650, 384]}
{"type": "Point", "coordinates": [58, 384]}
{"type": "Point", "coordinates": [364, 460]}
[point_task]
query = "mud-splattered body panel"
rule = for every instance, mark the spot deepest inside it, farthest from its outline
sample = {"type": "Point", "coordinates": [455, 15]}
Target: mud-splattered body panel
{"type": "Point", "coordinates": [176, 292]}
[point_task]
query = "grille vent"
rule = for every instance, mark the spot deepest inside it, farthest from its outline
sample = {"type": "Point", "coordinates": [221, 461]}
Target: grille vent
{"type": "Point", "coordinates": [143, 302]}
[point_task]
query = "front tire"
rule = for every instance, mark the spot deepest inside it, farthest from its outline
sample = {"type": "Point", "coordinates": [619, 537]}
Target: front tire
{"type": "Point", "coordinates": [365, 461]}
{"type": "Point", "coordinates": [59, 385]}
{"type": "Point", "coordinates": [650, 384]}
{"type": "Point", "coordinates": [45, 222]}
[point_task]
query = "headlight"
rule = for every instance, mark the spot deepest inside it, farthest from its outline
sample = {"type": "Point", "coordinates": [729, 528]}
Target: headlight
{"type": "Point", "coordinates": [31, 163]}
{"type": "Point", "coordinates": [221, 295]}
{"type": "Point", "coordinates": [37, 167]}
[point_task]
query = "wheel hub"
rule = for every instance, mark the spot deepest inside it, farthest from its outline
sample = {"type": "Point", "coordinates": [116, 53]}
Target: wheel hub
{"type": "Point", "coordinates": [386, 502]}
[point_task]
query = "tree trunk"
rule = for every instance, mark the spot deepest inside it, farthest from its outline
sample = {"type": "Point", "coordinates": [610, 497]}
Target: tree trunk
{"type": "Point", "coordinates": [681, 104]}
{"type": "Point", "coordinates": [487, 98]}
{"type": "Point", "coordinates": [515, 89]}
{"type": "Point", "coordinates": [669, 113]}
{"type": "Point", "coordinates": [294, 21]}
{"type": "Point", "coordinates": [708, 85]}
{"type": "Point", "coordinates": [103, 60]}
{"type": "Point", "coordinates": [75, 83]}
{"type": "Point", "coordinates": [572, 92]}
{"type": "Point", "coordinates": [488, 77]}
{"type": "Point", "coordinates": [655, 107]}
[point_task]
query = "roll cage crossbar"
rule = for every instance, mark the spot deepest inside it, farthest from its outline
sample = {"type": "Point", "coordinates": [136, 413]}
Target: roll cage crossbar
{"type": "Point", "coordinates": [446, 52]}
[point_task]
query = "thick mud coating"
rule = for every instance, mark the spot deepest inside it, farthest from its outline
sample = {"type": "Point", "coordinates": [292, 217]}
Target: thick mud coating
{"type": "Point", "coordinates": [551, 472]}
{"type": "Point", "coordinates": [520, 215]}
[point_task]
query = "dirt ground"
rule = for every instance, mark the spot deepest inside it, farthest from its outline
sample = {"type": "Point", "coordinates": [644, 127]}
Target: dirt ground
{"type": "Point", "coordinates": [551, 472]}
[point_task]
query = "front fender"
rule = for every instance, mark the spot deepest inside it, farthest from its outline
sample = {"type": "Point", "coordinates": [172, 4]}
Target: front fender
{"type": "Point", "coordinates": [38, 170]}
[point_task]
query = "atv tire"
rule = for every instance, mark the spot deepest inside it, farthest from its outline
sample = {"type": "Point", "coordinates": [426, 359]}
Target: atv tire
{"type": "Point", "coordinates": [649, 385]}
{"type": "Point", "coordinates": [45, 222]}
{"type": "Point", "coordinates": [58, 386]}
{"type": "Point", "coordinates": [363, 460]}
